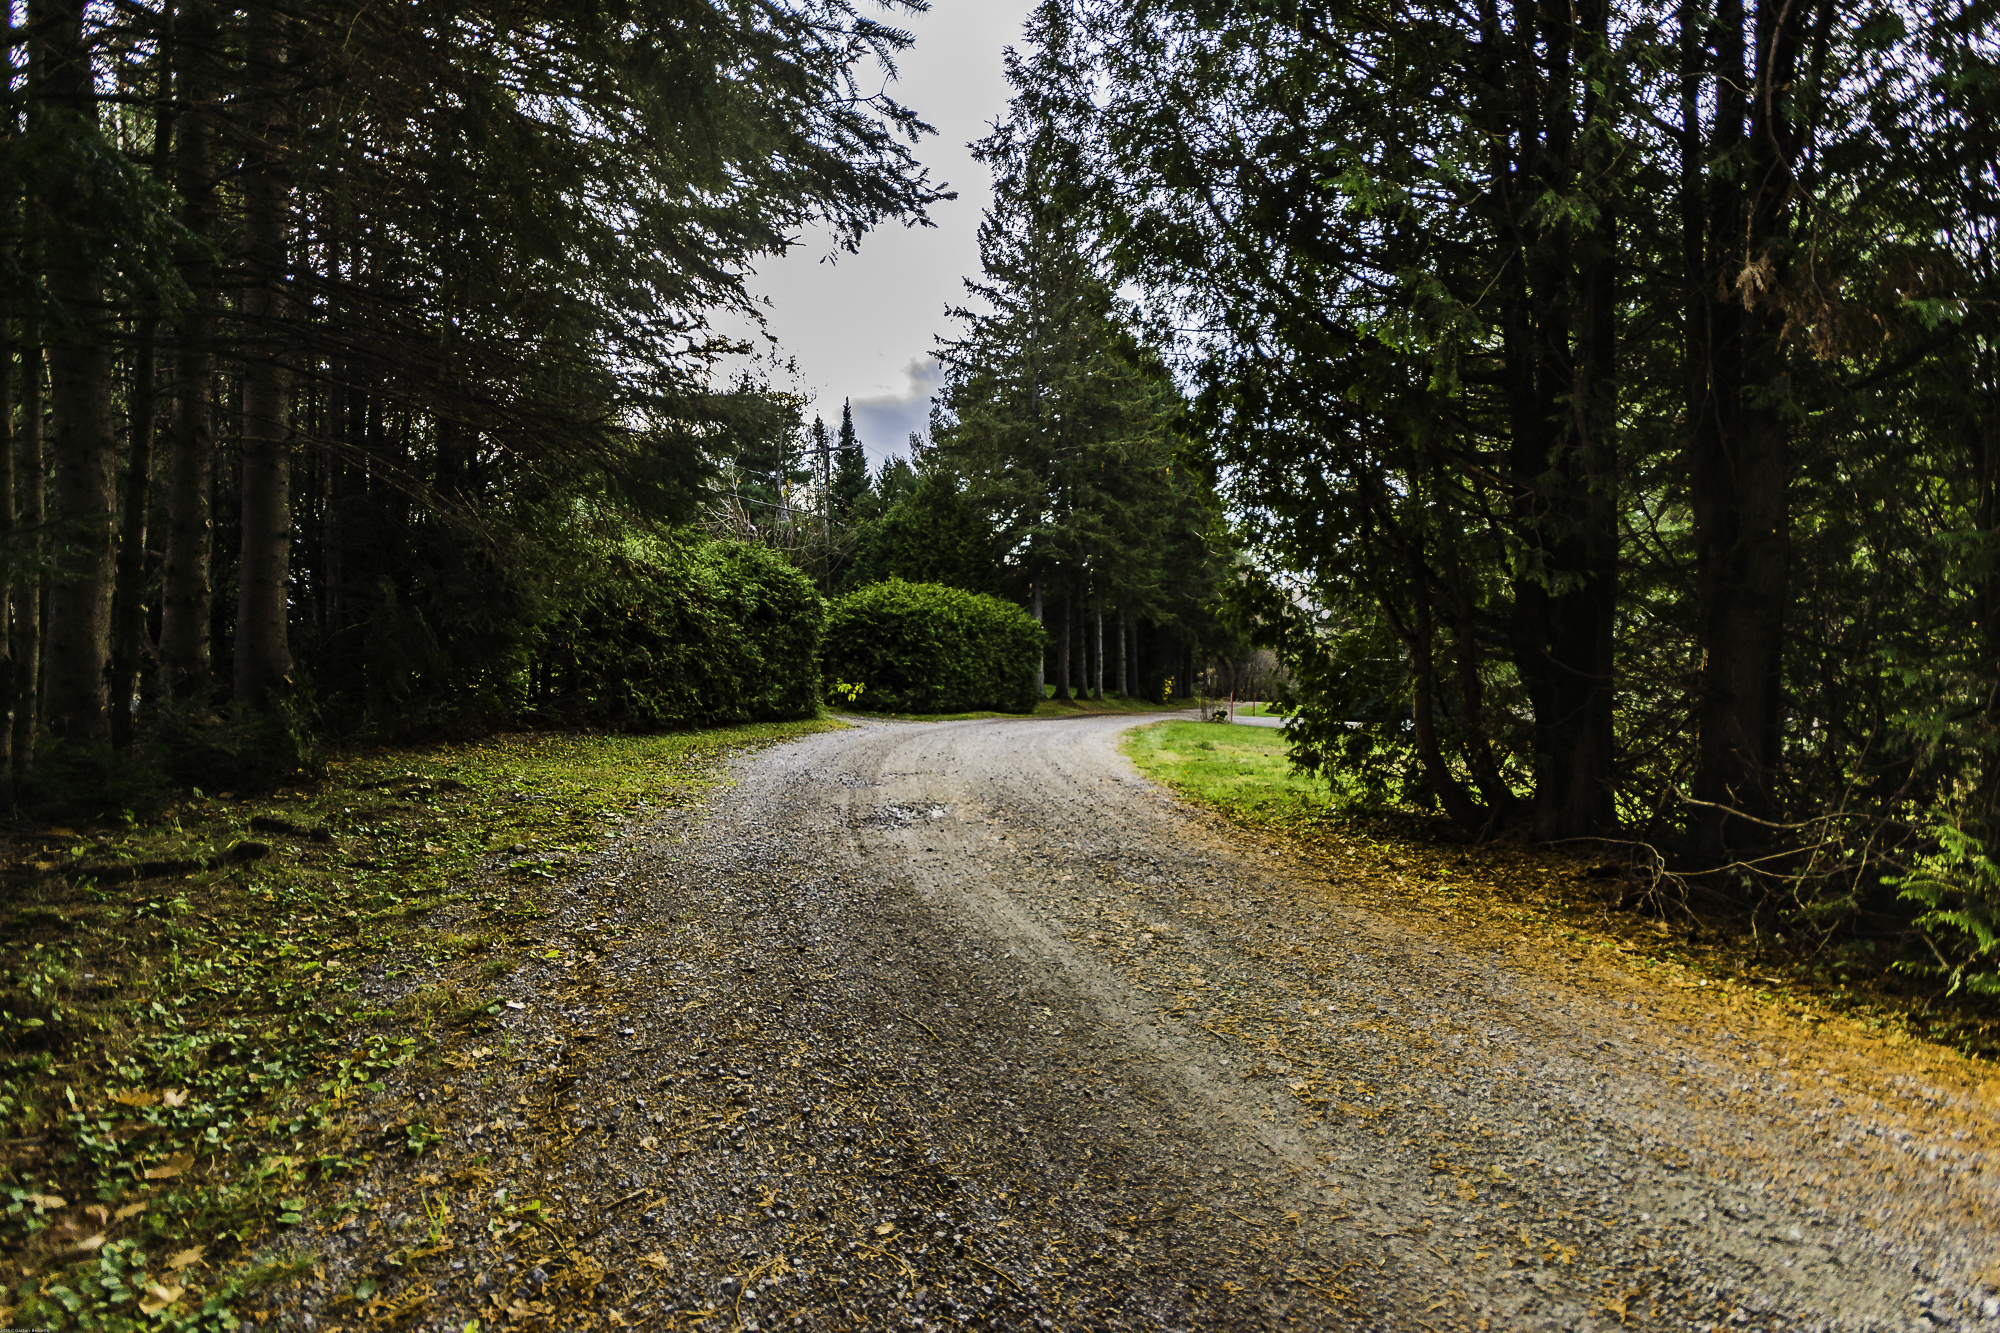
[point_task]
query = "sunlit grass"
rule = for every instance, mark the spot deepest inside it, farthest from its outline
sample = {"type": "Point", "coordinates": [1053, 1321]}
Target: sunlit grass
{"type": "Point", "coordinates": [1243, 770]}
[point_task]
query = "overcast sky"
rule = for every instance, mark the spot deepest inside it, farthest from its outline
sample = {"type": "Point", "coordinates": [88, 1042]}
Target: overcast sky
{"type": "Point", "coordinates": [863, 326]}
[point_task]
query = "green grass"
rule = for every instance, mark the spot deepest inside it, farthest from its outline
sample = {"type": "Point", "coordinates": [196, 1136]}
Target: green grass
{"type": "Point", "coordinates": [179, 1046]}
{"type": "Point", "coordinates": [1259, 710]}
{"type": "Point", "coordinates": [1241, 770]}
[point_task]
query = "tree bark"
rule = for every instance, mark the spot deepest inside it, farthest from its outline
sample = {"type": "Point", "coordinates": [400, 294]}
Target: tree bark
{"type": "Point", "coordinates": [128, 602]}
{"type": "Point", "coordinates": [1097, 647]}
{"type": "Point", "coordinates": [9, 584]}
{"type": "Point", "coordinates": [1558, 302]}
{"type": "Point", "coordinates": [1738, 450]}
{"type": "Point", "coordinates": [187, 591]}
{"type": "Point", "coordinates": [1124, 679]}
{"type": "Point", "coordinates": [263, 646]}
{"type": "Point", "coordinates": [26, 640]}
{"type": "Point", "coordinates": [1062, 652]}
{"type": "Point", "coordinates": [1042, 658]}
{"type": "Point", "coordinates": [80, 398]}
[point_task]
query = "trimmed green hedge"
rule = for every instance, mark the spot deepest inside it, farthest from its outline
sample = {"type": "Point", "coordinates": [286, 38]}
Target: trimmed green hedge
{"type": "Point", "coordinates": [680, 634]}
{"type": "Point", "coordinates": [926, 648]}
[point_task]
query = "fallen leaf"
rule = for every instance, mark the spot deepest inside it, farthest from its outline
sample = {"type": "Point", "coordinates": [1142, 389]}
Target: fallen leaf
{"type": "Point", "coordinates": [98, 1213]}
{"type": "Point", "coordinates": [44, 1202]}
{"type": "Point", "coordinates": [516, 1004]}
{"type": "Point", "coordinates": [649, 1143]}
{"type": "Point", "coordinates": [174, 1098]}
{"type": "Point", "coordinates": [129, 1210]}
{"type": "Point", "coordinates": [657, 1259]}
{"type": "Point", "coordinates": [1494, 1173]}
{"type": "Point", "coordinates": [885, 1228]}
{"type": "Point", "coordinates": [170, 1168]}
{"type": "Point", "coordinates": [89, 1243]}
{"type": "Point", "coordinates": [187, 1258]}
{"type": "Point", "coordinates": [135, 1097]}
{"type": "Point", "coordinates": [158, 1298]}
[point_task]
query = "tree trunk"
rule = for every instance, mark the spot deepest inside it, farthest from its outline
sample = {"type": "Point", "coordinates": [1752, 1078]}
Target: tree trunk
{"type": "Point", "coordinates": [1062, 652]}
{"type": "Point", "coordinates": [1097, 680]}
{"type": "Point", "coordinates": [9, 584]}
{"type": "Point", "coordinates": [1124, 677]}
{"type": "Point", "coordinates": [26, 642]}
{"type": "Point", "coordinates": [1738, 449]}
{"type": "Point", "coordinates": [1416, 637]}
{"type": "Point", "coordinates": [1984, 431]}
{"type": "Point", "coordinates": [1041, 658]}
{"type": "Point", "coordinates": [128, 602]}
{"type": "Point", "coordinates": [263, 646]}
{"type": "Point", "coordinates": [80, 398]}
{"type": "Point", "coordinates": [128, 605]}
{"type": "Point", "coordinates": [187, 590]}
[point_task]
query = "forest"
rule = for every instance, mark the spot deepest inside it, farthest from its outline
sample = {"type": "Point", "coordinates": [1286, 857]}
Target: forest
{"type": "Point", "coordinates": [361, 379]}
{"type": "Point", "coordinates": [1606, 401]}
{"type": "Point", "coordinates": [1595, 407]}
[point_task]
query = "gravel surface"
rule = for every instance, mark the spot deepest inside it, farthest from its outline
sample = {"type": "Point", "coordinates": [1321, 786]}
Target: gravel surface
{"type": "Point", "coordinates": [968, 1025]}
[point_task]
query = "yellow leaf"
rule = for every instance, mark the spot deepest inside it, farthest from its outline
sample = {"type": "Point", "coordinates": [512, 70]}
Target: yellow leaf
{"type": "Point", "coordinates": [135, 1097]}
{"type": "Point", "coordinates": [158, 1298]}
{"type": "Point", "coordinates": [175, 1097]}
{"type": "Point", "coordinates": [885, 1228]}
{"type": "Point", "coordinates": [43, 1202]}
{"type": "Point", "coordinates": [180, 1259]}
{"type": "Point", "coordinates": [129, 1210]}
{"type": "Point", "coordinates": [170, 1168]}
{"type": "Point", "coordinates": [657, 1259]}
{"type": "Point", "coordinates": [89, 1243]}
{"type": "Point", "coordinates": [98, 1213]}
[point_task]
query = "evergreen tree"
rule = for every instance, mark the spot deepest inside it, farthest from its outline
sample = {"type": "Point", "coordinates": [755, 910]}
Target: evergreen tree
{"type": "Point", "coordinates": [460, 315]}
{"type": "Point", "coordinates": [1058, 413]}
{"type": "Point", "coordinates": [850, 473]}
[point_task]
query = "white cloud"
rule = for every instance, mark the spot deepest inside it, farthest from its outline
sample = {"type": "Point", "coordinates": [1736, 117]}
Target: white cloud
{"type": "Point", "coordinates": [884, 422]}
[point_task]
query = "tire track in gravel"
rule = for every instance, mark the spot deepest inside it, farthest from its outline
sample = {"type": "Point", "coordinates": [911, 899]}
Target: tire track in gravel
{"type": "Point", "coordinates": [1504, 1147]}
{"type": "Point", "coordinates": [968, 1025]}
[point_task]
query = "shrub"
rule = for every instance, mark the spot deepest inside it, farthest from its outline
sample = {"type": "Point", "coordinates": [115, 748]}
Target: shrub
{"type": "Point", "coordinates": [925, 648]}
{"type": "Point", "coordinates": [674, 634]}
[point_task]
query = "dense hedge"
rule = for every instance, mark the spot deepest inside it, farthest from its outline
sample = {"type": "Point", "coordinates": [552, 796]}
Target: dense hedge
{"type": "Point", "coordinates": [925, 648]}
{"type": "Point", "coordinates": [682, 634]}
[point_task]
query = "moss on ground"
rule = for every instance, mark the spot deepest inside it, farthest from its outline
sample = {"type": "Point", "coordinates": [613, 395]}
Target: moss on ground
{"type": "Point", "coordinates": [182, 1027]}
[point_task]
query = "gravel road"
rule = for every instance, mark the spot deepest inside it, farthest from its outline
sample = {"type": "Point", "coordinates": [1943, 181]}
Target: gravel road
{"type": "Point", "coordinates": [968, 1025]}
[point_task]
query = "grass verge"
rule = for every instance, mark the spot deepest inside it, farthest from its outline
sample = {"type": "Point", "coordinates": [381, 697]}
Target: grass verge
{"type": "Point", "coordinates": [1564, 902]}
{"type": "Point", "coordinates": [182, 1031]}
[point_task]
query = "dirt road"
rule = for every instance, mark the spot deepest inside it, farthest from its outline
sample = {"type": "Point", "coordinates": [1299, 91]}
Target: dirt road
{"type": "Point", "coordinates": [968, 1025]}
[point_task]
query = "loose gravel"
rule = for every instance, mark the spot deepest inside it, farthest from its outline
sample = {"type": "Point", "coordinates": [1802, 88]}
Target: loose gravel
{"type": "Point", "coordinates": [967, 1025]}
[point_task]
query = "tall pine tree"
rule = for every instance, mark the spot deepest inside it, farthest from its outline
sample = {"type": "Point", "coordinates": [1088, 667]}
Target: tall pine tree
{"type": "Point", "coordinates": [850, 468]}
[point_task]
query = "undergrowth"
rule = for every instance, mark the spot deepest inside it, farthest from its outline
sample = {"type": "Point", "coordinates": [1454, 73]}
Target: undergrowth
{"type": "Point", "coordinates": [1579, 897]}
{"type": "Point", "coordinates": [182, 1031]}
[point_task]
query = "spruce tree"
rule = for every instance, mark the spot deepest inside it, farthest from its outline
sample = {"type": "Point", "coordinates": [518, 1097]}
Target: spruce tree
{"type": "Point", "coordinates": [850, 469]}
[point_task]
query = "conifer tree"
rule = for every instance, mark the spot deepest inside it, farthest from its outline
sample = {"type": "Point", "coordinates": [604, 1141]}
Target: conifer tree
{"type": "Point", "coordinates": [850, 469]}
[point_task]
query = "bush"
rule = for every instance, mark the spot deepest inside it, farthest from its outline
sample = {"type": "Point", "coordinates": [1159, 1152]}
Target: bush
{"type": "Point", "coordinates": [924, 648]}
{"type": "Point", "coordinates": [698, 632]}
